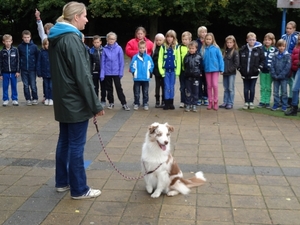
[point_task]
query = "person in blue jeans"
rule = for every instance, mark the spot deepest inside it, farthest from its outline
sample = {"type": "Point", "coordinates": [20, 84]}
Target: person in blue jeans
{"type": "Point", "coordinates": [28, 59]}
{"type": "Point", "coordinates": [43, 70]}
{"type": "Point", "coordinates": [141, 67]}
{"type": "Point", "coordinates": [231, 62]}
{"type": "Point", "coordinates": [9, 70]}
{"type": "Point", "coordinates": [295, 97]}
{"type": "Point", "coordinates": [280, 70]}
{"type": "Point", "coordinates": [74, 99]}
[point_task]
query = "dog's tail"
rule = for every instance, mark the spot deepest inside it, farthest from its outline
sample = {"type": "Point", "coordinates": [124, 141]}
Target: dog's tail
{"type": "Point", "coordinates": [197, 180]}
{"type": "Point", "coordinates": [183, 185]}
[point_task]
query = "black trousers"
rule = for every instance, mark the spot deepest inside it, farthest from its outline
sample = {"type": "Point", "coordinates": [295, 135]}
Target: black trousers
{"type": "Point", "coordinates": [109, 80]}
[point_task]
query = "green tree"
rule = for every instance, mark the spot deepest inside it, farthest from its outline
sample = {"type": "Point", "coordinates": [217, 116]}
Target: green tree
{"type": "Point", "coordinates": [195, 9]}
{"type": "Point", "coordinates": [256, 14]}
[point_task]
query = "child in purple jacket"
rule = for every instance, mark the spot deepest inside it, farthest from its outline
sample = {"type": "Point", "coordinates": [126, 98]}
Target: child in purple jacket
{"type": "Point", "coordinates": [112, 68]}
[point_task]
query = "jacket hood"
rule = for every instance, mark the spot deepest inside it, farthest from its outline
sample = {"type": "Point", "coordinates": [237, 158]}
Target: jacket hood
{"type": "Point", "coordinates": [62, 28]}
{"type": "Point", "coordinates": [114, 45]}
{"type": "Point", "coordinates": [256, 45]}
{"type": "Point", "coordinates": [30, 42]}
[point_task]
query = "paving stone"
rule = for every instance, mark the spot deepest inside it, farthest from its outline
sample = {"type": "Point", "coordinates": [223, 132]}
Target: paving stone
{"type": "Point", "coordinates": [249, 215]}
{"type": "Point", "coordinates": [213, 200]}
{"type": "Point", "coordinates": [23, 217]}
{"type": "Point", "coordinates": [241, 179]}
{"type": "Point", "coordinates": [68, 219]}
{"type": "Point", "coordinates": [282, 203]}
{"type": "Point", "coordinates": [241, 189]}
{"type": "Point", "coordinates": [285, 216]}
{"type": "Point", "coordinates": [214, 214]}
{"type": "Point", "coordinates": [107, 220]}
{"type": "Point", "coordinates": [177, 211]}
{"type": "Point", "coordinates": [272, 180]}
{"type": "Point", "coordinates": [276, 191]}
{"type": "Point", "coordinates": [250, 201]}
{"type": "Point", "coordinates": [39, 204]}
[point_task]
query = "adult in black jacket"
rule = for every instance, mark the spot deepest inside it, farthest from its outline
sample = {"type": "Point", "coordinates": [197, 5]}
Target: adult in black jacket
{"type": "Point", "coordinates": [251, 62]}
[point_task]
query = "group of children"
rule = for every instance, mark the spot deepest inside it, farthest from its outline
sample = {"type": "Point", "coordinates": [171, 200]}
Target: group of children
{"type": "Point", "coordinates": [28, 61]}
{"type": "Point", "coordinates": [198, 65]}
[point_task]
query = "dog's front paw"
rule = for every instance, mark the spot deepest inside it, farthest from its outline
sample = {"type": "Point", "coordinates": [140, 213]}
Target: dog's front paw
{"type": "Point", "coordinates": [172, 193]}
{"type": "Point", "coordinates": [149, 189]}
{"type": "Point", "coordinates": [156, 194]}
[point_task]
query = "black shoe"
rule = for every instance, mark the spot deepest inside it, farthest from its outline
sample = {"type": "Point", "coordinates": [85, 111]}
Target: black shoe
{"type": "Point", "coordinates": [292, 111]}
{"type": "Point", "coordinates": [171, 102]}
{"type": "Point", "coordinates": [167, 104]}
{"type": "Point", "coordinates": [157, 104]}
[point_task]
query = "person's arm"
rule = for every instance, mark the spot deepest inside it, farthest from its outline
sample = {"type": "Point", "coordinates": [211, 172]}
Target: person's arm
{"type": "Point", "coordinates": [133, 65]}
{"type": "Point", "coordinates": [77, 58]}
{"type": "Point", "coordinates": [220, 59]}
{"type": "Point", "coordinates": [121, 60]}
{"type": "Point", "coordinates": [102, 69]}
{"type": "Point", "coordinates": [287, 67]}
{"type": "Point", "coordinates": [40, 26]}
{"type": "Point", "coordinates": [178, 61]}
{"type": "Point", "coordinates": [160, 61]}
{"type": "Point", "coordinates": [130, 49]}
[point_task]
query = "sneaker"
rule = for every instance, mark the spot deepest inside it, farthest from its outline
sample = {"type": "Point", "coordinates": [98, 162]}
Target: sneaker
{"type": "Point", "coordinates": [275, 107]}
{"type": "Point", "coordinates": [157, 104]}
{"type": "Point", "coordinates": [194, 108]}
{"type": "Point", "coordinates": [188, 108]}
{"type": "Point", "coordinates": [181, 105]}
{"type": "Point", "coordinates": [63, 189]}
{"type": "Point", "coordinates": [261, 105]}
{"type": "Point", "coordinates": [28, 102]}
{"type": "Point", "coordinates": [103, 104]}
{"type": "Point", "coordinates": [125, 107]}
{"type": "Point", "coordinates": [136, 107]}
{"type": "Point", "coordinates": [228, 106]}
{"type": "Point", "coordinates": [111, 106]}
{"type": "Point", "coordinates": [205, 102]}
{"type": "Point", "coordinates": [251, 106]}
{"type": "Point", "coordinates": [283, 108]}
{"type": "Point", "coordinates": [15, 103]}
{"type": "Point", "coordinates": [223, 106]}
{"type": "Point", "coordinates": [146, 107]}
{"type": "Point", "coordinates": [5, 103]}
{"type": "Point", "coordinates": [34, 102]}
{"type": "Point", "coordinates": [46, 102]}
{"type": "Point", "coordinates": [268, 106]}
{"type": "Point", "coordinates": [92, 193]}
{"type": "Point", "coordinates": [246, 105]}
{"type": "Point", "coordinates": [50, 102]}
{"type": "Point", "coordinates": [199, 102]}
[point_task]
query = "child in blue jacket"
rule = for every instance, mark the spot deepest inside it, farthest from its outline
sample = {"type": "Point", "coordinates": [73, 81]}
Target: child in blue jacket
{"type": "Point", "coordinates": [43, 70]}
{"type": "Point", "coordinates": [141, 67]}
{"type": "Point", "coordinates": [279, 70]}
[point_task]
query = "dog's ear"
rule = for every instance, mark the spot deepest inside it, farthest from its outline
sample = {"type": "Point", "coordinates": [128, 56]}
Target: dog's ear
{"type": "Point", "coordinates": [152, 128]}
{"type": "Point", "coordinates": [170, 128]}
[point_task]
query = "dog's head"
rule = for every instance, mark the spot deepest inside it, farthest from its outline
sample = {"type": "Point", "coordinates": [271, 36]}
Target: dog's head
{"type": "Point", "coordinates": [160, 133]}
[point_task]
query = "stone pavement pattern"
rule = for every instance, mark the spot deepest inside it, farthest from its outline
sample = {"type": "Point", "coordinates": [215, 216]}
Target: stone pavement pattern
{"type": "Point", "coordinates": [251, 162]}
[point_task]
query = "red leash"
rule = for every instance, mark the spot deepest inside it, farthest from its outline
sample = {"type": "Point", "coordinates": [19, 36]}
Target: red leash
{"type": "Point", "coordinates": [113, 165]}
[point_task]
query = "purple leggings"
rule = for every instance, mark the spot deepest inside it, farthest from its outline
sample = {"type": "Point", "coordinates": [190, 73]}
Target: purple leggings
{"type": "Point", "coordinates": [212, 79]}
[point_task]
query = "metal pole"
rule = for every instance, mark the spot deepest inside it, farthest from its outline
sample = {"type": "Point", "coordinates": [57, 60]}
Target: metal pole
{"type": "Point", "coordinates": [283, 23]}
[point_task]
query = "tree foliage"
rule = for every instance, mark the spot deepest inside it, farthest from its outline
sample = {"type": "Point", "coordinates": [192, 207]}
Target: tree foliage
{"type": "Point", "coordinates": [257, 14]}
{"type": "Point", "coordinates": [118, 8]}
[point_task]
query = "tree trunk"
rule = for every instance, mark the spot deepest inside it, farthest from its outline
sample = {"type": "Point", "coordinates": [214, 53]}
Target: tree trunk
{"type": "Point", "coordinates": [153, 27]}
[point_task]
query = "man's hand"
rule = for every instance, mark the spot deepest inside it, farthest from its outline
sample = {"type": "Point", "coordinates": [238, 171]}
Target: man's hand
{"type": "Point", "coordinates": [17, 75]}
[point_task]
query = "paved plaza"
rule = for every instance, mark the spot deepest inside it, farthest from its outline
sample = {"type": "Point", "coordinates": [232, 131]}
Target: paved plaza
{"type": "Point", "coordinates": [251, 162]}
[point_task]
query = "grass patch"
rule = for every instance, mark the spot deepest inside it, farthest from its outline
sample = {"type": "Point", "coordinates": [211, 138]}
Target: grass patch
{"type": "Point", "coordinates": [269, 112]}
